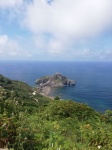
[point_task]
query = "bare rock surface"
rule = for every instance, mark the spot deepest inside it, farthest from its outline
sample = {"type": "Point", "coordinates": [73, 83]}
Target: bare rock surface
{"type": "Point", "coordinates": [46, 83]}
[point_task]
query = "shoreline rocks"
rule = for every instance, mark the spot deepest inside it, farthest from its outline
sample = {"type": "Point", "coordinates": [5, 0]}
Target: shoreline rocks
{"type": "Point", "coordinates": [46, 83]}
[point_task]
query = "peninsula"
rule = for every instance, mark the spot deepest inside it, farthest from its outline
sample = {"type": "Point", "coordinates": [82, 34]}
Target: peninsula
{"type": "Point", "coordinates": [46, 83]}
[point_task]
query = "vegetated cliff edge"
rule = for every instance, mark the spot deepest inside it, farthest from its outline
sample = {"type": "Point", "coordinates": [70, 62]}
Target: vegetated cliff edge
{"type": "Point", "coordinates": [46, 83]}
{"type": "Point", "coordinates": [20, 91]}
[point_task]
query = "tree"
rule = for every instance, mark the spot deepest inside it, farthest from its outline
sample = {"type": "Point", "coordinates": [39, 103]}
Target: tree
{"type": "Point", "coordinates": [57, 98]}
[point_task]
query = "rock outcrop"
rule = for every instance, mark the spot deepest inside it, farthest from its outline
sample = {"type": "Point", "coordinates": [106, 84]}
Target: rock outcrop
{"type": "Point", "coordinates": [54, 81]}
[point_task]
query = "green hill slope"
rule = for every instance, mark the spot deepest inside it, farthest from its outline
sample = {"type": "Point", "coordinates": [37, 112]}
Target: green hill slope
{"type": "Point", "coordinates": [30, 121]}
{"type": "Point", "coordinates": [13, 89]}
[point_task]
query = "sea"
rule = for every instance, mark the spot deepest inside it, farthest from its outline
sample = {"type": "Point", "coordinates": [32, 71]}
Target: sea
{"type": "Point", "coordinates": [93, 79]}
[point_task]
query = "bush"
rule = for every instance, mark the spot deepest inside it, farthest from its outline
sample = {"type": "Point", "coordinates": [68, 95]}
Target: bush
{"type": "Point", "coordinates": [57, 98]}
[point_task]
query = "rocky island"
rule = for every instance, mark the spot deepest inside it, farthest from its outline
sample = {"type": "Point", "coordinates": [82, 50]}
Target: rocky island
{"type": "Point", "coordinates": [46, 83]}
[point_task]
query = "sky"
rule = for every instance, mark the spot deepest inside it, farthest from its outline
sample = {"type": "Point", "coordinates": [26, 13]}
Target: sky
{"type": "Point", "coordinates": [56, 30]}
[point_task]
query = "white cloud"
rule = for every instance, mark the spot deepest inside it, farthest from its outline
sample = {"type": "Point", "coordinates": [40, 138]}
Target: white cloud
{"type": "Point", "coordinates": [55, 46]}
{"type": "Point", "coordinates": [12, 10]}
{"type": "Point", "coordinates": [49, 45]}
{"type": "Point", "coordinates": [70, 17]}
{"type": "Point", "coordinates": [67, 21]}
{"type": "Point", "coordinates": [90, 54]}
{"type": "Point", "coordinates": [10, 48]}
{"type": "Point", "coordinates": [57, 27]}
{"type": "Point", "coordinates": [10, 3]}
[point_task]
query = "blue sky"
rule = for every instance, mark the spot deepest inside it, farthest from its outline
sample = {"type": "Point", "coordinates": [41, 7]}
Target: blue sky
{"type": "Point", "coordinates": [56, 30]}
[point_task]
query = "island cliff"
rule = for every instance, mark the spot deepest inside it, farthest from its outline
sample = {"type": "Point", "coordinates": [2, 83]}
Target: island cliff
{"type": "Point", "coordinates": [46, 83]}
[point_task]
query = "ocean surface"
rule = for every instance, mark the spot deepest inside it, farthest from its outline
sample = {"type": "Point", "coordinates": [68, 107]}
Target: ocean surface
{"type": "Point", "coordinates": [93, 79]}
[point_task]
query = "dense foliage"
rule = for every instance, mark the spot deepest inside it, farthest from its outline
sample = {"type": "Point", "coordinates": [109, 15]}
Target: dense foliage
{"type": "Point", "coordinates": [35, 122]}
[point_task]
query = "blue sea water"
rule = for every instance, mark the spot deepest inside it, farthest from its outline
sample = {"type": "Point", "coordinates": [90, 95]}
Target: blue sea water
{"type": "Point", "coordinates": [93, 79]}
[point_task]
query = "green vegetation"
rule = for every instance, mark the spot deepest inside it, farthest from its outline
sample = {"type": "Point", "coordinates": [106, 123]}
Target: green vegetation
{"type": "Point", "coordinates": [30, 121]}
{"type": "Point", "coordinates": [17, 90]}
{"type": "Point", "coordinates": [57, 98]}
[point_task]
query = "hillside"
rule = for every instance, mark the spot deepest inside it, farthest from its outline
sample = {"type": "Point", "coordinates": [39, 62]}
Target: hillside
{"type": "Point", "coordinates": [31, 121]}
{"type": "Point", "coordinates": [21, 88]}
{"type": "Point", "coordinates": [13, 89]}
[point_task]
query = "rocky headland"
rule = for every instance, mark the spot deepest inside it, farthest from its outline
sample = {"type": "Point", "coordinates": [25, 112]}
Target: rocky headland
{"type": "Point", "coordinates": [46, 83]}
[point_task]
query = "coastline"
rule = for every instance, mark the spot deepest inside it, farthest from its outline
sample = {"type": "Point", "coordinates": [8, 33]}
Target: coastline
{"type": "Point", "coordinates": [47, 95]}
{"type": "Point", "coordinates": [94, 80]}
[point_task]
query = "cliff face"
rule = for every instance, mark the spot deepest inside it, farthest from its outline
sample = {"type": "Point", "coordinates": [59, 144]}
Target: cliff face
{"type": "Point", "coordinates": [54, 81]}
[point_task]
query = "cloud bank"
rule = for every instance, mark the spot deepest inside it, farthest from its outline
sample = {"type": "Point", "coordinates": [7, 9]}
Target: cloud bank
{"type": "Point", "coordinates": [74, 18]}
{"type": "Point", "coordinates": [61, 23]}
{"type": "Point", "coordinates": [10, 48]}
{"type": "Point", "coordinates": [56, 26]}
{"type": "Point", "coordinates": [10, 3]}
